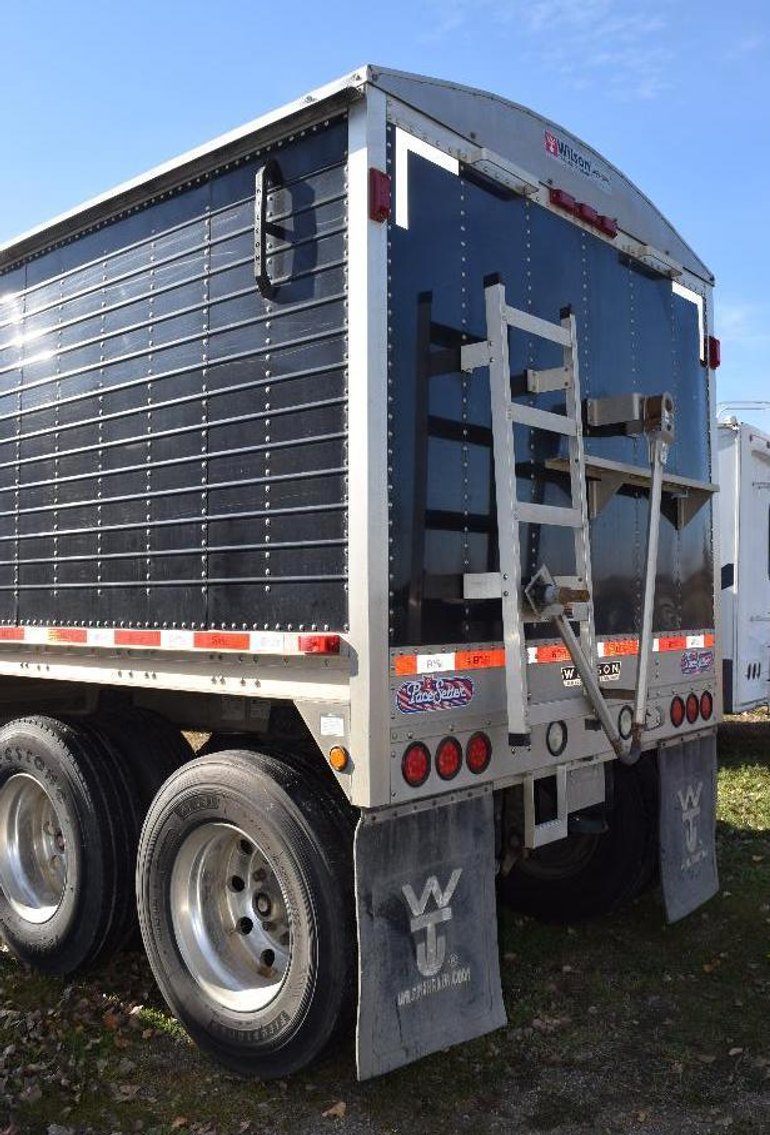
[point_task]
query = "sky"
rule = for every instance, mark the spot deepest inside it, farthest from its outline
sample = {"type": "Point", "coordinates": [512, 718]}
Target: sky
{"type": "Point", "coordinates": [672, 93]}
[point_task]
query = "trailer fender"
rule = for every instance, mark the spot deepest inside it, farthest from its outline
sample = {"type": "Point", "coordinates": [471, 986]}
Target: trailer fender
{"type": "Point", "coordinates": [429, 972]}
{"type": "Point", "coordinates": [688, 794]}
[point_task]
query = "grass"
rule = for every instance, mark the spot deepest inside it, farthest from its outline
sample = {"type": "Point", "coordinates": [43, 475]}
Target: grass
{"type": "Point", "coordinates": [622, 1025]}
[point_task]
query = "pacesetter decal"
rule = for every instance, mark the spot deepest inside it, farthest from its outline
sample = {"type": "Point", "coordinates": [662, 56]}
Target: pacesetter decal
{"type": "Point", "coordinates": [431, 693]}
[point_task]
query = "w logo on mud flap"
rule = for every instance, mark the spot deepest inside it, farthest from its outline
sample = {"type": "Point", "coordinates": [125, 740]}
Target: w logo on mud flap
{"type": "Point", "coordinates": [432, 950]}
{"type": "Point", "coordinates": [689, 802]}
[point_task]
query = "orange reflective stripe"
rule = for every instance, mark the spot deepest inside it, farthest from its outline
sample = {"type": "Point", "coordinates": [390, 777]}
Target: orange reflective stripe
{"type": "Point", "coordinates": [672, 642]}
{"type": "Point", "coordinates": [137, 638]}
{"type": "Point", "coordinates": [405, 664]}
{"type": "Point", "coordinates": [11, 634]}
{"type": "Point", "coordinates": [708, 640]}
{"type": "Point", "coordinates": [620, 646]}
{"type": "Point", "coordinates": [220, 640]}
{"type": "Point", "coordinates": [479, 659]}
{"type": "Point", "coordinates": [75, 635]}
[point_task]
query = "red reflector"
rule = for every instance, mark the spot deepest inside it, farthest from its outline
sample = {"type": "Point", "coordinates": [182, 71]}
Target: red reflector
{"type": "Point", "coordinates": [75, 635]}
{"type": "Point", "coordinates": [562, 199]}
{"type": "Point", "coordinates": [478, 752]}
{"type": "Point", "coordinates": [608, 225]}
{"type": "Point", "coordinates": [318, 643]}
{"type": "Point", "coordinates": [587, 213]}
{"type": "Point", "coordinates": [449, 757]}
{"type": "Point", "coordinates": [415, 765]}
{"type": "Point", "coordinates": [714, 352]}
{"type": "Point", "coordinates": [693, 708]}
{"type": "Point", "coordinates": [379, 195]}
{"type": "Point", "coordinates": [706, 705]}
{"type": "Point", "coordinates": [11, 634]}
{"type": "Point", "coordinates": [677, 712]}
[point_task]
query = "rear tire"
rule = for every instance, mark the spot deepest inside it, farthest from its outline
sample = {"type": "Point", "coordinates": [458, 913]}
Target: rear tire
{"type": "Point", "coordinates": [244, 882]}
{"type": "Point", "coordinates": [66, 859]}
{"type": "Point", "coordinates": [588, 875]}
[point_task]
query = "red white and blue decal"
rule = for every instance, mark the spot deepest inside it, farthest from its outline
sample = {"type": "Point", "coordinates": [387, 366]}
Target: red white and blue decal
{"type": "Point", "coordinates": [425, 695]}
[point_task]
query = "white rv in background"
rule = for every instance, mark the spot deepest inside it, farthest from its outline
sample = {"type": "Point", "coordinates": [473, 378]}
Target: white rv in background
{"type": "Point", "coordinates": [744, 478]}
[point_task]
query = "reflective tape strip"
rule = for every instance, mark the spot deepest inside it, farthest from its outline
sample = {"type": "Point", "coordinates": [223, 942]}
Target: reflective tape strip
{"type": "Point", "coordinates": [405, 665]}
{"type": "Point", "coordinates": [618, 647]}
{"type": "Point", "coordinates": [242, 642]}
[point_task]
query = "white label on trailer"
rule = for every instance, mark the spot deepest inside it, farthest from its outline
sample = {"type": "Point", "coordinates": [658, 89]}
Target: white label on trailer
{"type": "Point", "coordinates": [435, 663]}
{"type": "Point", "coordinates": [406, 144]}
{"type": "Point", "coordinates": [332, 725]}
{"type": "Point", "coordinates": [267, 642]}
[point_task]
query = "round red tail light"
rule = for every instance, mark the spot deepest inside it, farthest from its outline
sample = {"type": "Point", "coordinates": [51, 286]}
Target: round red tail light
{"type": "Point", "coordinates": [415, 765]}
{"type": "Point", "coordinates": [693, 708]}
{"type": "Point", "coordinates": [677, 712]}
{"type": "Point", "coordinates": [706, 705]}
{"type": "Point", "coordinates": [449, 757]}
{"type": "Point", "coordinates": [478, 752]}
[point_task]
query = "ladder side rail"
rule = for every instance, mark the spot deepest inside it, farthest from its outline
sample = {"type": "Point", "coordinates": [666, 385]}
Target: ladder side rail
{"type": "Point", "coordinates": [507, 509]}
{"type": "Point", "coordinates": [579, 492]}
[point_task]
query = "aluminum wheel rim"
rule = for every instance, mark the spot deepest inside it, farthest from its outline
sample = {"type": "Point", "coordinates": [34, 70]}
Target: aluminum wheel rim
{"type": "Point", "coordinates": [33, 851]}
{"type": "Point", "coordinates": [230, 918]}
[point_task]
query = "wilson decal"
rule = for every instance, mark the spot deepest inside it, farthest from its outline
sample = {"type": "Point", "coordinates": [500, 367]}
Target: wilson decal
{"type": "Point", "coordinates": [606, 672]}
{"type": "Point", "coordinates": [576, 160]}
{"type": "Point", "coordinates": [431, 693]}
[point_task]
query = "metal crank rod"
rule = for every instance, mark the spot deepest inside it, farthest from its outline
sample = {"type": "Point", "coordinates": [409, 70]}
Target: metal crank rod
{"type": "Point", "coordinates": [660, 432]}
{"type": "Point", "coordinates": [590, 685]}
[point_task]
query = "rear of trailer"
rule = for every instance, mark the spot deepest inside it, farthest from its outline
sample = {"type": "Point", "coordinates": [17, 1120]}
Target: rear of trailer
{"type": "Point", "coordinates": [744, 513]}
{"type": "Point", "coordinates": [374, 439]}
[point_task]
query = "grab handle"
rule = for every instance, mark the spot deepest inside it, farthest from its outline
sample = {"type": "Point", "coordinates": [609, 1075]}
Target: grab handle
{"type": "Point", "coordinates": [268, 177]}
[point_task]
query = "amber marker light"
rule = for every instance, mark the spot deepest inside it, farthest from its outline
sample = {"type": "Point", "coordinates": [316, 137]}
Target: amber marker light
{"type": "Point", "coordinates": [339, 758]}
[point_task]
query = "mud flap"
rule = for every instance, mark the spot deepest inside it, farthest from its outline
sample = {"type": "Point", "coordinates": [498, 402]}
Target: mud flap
{"type": "Point", "coordinates": [688, 793]}
{"type": "Point", "coordinates": [429, 973]}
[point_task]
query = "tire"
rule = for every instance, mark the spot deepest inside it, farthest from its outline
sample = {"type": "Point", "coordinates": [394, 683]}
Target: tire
{"type": "Point", "coordinates": [66, 860]}
{"type": "Point", "coordinates": [150, 747]}
{"type": "Point", "coordinates": [263, 970]}
{"type": "Point", "coordinates": [588, 875]}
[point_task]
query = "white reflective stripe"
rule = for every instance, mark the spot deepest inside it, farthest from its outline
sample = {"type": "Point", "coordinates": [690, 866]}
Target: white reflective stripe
{"type": "Point", "coordinates": [695, 640]}
{"type": "Point", "coordinates": [272, 642]}
{"type": "Point", "coordinates": [97, 636]}
{"type": "Point", "coordinates": [176, 640]}
{"type": "Point", "coordinates": [600, 651]}
{"type": "Point", "coordinates": [531, 654]}
{"type": "Point", "coordinates": [404, 144]}
{"type": "Point", "coordinates": [655, 645]}
{"type": "Point", "coordinates": [36, 634]}
{"type": "Point", "coordinates": [435, 663]}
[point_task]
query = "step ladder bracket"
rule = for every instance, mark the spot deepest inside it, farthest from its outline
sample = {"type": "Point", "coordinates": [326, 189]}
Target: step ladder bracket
{"type": "Point", "coordinates": [475, 355]}
{"type": "Point", "coordinates": [482, 585]}
{"type": "Point", "coordinates": [544, 381]}
{"type": "Point", "coordinates": [538, 419]}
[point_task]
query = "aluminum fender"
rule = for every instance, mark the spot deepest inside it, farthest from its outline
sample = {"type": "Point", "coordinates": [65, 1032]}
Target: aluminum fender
{"type": "Point", "coordinates": [429, 972]}
{"type": "Point", "coordinates": [688, 796]}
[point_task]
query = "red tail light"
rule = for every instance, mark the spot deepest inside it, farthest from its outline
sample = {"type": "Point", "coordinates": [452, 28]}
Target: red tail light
{"type": "Point", "coordinates": [693, 708]}
{"type": "Point", "coordinates": [449, 757]}
{"type": "Point", "coordinates": [478, 752]}
{"type": "Point", "coordinates": [415, 765]}
{"type": "Point", "coordinates": [706, 705]}
{"type": "Point", "coordinates": [677, 712]}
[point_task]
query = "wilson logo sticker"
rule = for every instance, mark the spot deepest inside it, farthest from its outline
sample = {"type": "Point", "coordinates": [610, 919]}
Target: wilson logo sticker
{"type": "Point", "coordinates": [424, 695]}
{"type": "Point", "coordinates": [576, 160]}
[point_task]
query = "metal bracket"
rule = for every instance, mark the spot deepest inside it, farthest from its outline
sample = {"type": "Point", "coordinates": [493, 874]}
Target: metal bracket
{"type": "Point", "coordinates": [536, 835]}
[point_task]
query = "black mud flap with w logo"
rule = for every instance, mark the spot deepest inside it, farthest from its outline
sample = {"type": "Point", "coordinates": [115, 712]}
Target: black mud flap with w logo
{"type": "Point", "coordinates": [427, 932]}
{"type": "Point", "coordinates": [688, 795]}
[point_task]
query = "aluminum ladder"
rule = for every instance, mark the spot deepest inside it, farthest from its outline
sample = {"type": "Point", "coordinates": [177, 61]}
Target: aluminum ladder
{"type": "Point", "coordinates": [565, 599]}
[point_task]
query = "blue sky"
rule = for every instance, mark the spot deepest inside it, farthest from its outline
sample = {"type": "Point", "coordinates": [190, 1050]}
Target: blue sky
{"type": "Point", "coordinates": [92, 94]}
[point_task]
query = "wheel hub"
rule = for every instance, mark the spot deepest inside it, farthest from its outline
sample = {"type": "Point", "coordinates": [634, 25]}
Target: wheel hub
{"type": "Point", "coordinates": [230, 918]}
{"type": "Point", "coordinates": [33, 850]}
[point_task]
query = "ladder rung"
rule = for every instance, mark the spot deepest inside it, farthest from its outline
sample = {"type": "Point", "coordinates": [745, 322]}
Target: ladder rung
{"type": "Point", "coordinates": [541, 419]}
{"type": "Point", "coordinates": [548, 514]}
{"type": "Point", "coordinates": [537, 326]}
